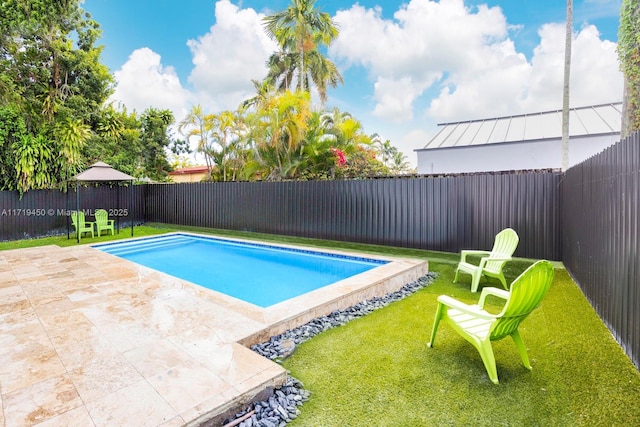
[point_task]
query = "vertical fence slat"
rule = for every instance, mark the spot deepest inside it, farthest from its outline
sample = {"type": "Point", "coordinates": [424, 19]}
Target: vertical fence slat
{"type": "Point", "coordinates": [588, 217]}
{"type": "Point", "coordinates": [600, 235]}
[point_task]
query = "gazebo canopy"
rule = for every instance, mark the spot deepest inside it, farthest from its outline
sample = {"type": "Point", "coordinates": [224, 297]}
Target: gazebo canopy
{"type": "Point", "coordinates": [101, 171]}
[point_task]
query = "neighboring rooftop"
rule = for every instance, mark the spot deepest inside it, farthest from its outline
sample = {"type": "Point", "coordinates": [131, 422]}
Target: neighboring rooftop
{"type": "Point", "coordinates": [190, 170]}
{"type": "Point", "coordinates": [190, 174]}
{"type": "Point", "coordinates": [593, 120]}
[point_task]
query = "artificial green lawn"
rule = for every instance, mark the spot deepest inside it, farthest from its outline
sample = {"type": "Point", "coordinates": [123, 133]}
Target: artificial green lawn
{"type": "Point", "coordinates": [378, 371]}
{"type": "Point", "coordinates": [125, 233]}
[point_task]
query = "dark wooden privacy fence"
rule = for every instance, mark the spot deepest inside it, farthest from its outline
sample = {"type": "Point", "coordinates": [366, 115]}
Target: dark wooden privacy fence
{"type": "Point", "coordinates": [601, 244]}
{"type": "Point", "coordinates": [45, 212]}
{"type": "Point", "coordinates": [437, 213]}
{"type": "Point", "coordinates": [587, 217]}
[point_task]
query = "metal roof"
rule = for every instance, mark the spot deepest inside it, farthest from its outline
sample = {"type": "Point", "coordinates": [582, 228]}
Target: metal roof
{"type": "Point", "coordinates": [593, 120]}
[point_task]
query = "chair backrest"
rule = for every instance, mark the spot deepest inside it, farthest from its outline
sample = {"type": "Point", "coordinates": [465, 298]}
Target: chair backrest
{"type": "Point", "coordinates": [525, 295]}
{"type": "Point", "coordinates": [102, 217]}
{"type": "Point", "coordinates": [77, 218]}
{"type": "Point", "coordinates": [504, 246]}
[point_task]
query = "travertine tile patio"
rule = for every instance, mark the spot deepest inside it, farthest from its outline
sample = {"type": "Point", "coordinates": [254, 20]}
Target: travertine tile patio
{"type": "Point", "coordinates": [88, 339]}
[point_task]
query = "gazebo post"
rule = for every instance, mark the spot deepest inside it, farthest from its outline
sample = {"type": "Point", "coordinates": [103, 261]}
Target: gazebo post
{"type": "Point", "coordinates": [66, 207]}
{"type": "Point", "coordinates": [118, 204]}
{"type": "Point", "coordinates": [131, 205]}
{"type": "Point", "coordinates": [77, 211]}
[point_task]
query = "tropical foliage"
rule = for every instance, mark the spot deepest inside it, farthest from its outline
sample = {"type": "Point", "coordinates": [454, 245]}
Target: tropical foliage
{"type": "Point", "coordinates": [54, 120]}
{"type": "Point", "coordinates": [629, 55]}
{"type": "Point", "coordinates": [301, 31]}
{"type": "Point", "coordinates": [278, 136]}
{"type": "Point", "coordinates": [219, 138]}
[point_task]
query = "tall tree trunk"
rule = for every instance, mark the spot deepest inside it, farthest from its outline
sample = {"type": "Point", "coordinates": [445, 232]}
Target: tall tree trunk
{"type": "Point", "coordinates": [302, 73]}
{"type": "Point", "coordinates": [625, 126]}
{"type": "Point", "coordinates": [565, 89]}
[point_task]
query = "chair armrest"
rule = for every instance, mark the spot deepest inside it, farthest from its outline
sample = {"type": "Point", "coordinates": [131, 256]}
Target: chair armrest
{"type": "Point", "coordinates": [484, 260]}
{"type": "Point", "coordinates": [465, 252]}
{"type": "Point", "coordinates": [497, 259]}
{"type": "Point", "coordinates": [500, 293]}
{"type": "Point", "coordinates": [473, 310]}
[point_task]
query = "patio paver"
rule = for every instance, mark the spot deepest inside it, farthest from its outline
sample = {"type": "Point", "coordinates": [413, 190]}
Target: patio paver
{"type": "Point", "coordinates": [87, 338]}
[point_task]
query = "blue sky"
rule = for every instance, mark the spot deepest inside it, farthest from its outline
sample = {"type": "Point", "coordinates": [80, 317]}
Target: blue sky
{"type": "Point", "coordinates": [407, 65]}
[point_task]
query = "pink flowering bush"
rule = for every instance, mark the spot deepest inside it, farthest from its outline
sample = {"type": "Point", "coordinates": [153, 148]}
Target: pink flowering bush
{"type": "Point", "coordinates": [341, 161]}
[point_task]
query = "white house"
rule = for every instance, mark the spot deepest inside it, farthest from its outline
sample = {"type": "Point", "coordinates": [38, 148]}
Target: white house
{"type": "Point", "coordinates": [527, 141]}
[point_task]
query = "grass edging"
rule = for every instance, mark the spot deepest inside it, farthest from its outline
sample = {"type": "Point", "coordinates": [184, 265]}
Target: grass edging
{"type": "Point", "coordinates": [282, 406]}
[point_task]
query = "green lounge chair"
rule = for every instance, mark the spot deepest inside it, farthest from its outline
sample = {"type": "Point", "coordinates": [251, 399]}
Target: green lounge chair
{"type": "Point", "coordinates": [81, 226]}
{"type": "Point", "coordinates": [480, 327]}
{"type": "Point", "coordinates": [103, 222]}
{"type": "Point", "coordinates": [491, 264]}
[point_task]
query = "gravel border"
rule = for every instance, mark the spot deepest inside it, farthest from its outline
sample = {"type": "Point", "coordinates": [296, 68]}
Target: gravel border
{"type": "Point", "coordinates": [282, 406]}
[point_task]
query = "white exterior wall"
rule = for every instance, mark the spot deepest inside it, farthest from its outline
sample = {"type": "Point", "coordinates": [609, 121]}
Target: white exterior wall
{"type": "Point", "coordinates": [541, 154]}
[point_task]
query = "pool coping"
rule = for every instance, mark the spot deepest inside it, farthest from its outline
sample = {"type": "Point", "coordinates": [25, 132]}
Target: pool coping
{"type": "Point", "coordinates": [339, 295]}
{"type": "Point", "coordinates": [299, 310]}
{"type": "Point", "coordinates": [221, 323]}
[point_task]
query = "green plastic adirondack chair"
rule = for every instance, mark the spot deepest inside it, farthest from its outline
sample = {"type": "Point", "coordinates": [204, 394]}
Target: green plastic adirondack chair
{"type": "Point", "coordinates": [480, 327]}
{"type": "Point", "coordinates": [103, 222]}
{"type": "Point", "coordinates": [491, 264]}
{"type": "Point", "coordinates": [81, 226]}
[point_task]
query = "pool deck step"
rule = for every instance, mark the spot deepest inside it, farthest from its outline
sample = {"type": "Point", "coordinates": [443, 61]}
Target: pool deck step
{"type": "Point", "coordinates": [142, 245]}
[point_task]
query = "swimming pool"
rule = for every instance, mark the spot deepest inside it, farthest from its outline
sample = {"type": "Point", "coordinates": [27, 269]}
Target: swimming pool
{"type": "Point", "coordinates": [260, 274]}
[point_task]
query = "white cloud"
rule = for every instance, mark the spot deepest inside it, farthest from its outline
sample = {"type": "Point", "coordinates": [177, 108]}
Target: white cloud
{"type": "Point", "coordinates": [229, 56]}
{"type": "Point", "coordinates": [144, 82]}
{"type": "Point", "coordinates": [595, 72]}
{"type": "Point", "coordinates": [466, 57]}
{"type": "Point", "coordinates": [225, 59]}
{"type": "Point", "coordinates": [412, 52]}
{"type": "Point", "coordinates": [511, 87]}
{"type": "Point", "coordinates": [410, 140]}
{"type": "Point", "coordinates": [493, 84]}
{"type": "Point", "coordinates": [435, 61]}
{"type": "Point", "coordinates": [394, 98]}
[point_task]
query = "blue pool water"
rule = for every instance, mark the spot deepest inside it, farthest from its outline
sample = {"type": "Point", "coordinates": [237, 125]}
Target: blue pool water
{"type": "Point", "coordinates": [260, 274]}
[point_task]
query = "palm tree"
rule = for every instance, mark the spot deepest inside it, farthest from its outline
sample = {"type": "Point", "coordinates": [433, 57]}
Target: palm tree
{"type": "Point", "coordinates": [300, 30]}
{"type": "Point", "coordinates": [565, 90]}
{"type": "Point", "coordinates": [282, 67]}
{"type": "Point", "coordinates": [227, 133]}
{"type": "Point", "coordinates": [345, 128]}
{"type": "Point", "coordinates": [385, 149]}
{"type": "Point", "coordinates": [198, 125]}
{"type": "Point", "coordinates": [323, 72]}
{"type": "Point", "coordinates": [399, 163]}
{"type": "Point", "coordinates": [264, 90]}
{"type": "Point", "coordinates": [332, 120]}
{"type": "Point", "coordinates": [278, 131]}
